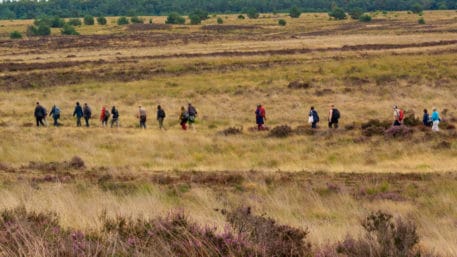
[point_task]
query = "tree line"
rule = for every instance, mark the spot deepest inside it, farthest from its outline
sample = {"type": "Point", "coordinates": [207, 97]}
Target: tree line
{"type": "Point", "coordinates": [29, 9]}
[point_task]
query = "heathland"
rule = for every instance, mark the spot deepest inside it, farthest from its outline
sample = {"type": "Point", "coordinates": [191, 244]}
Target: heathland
{"type": "Point", "coordinates": [322, 180]}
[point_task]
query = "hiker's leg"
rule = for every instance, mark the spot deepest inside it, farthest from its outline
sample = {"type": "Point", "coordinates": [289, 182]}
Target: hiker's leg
{"type": "Point", "coordinates": [329, 124]}
{"type": "Point", "coordinates": [336, 124]}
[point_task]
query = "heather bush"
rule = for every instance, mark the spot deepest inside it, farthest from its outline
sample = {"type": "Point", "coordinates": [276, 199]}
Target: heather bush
{"type": "Point", "coordinates": [411, 120]}
{"type": "Point", "coordinates": [398, 132]}
{"type": "Point", "coordinates": [374, 127]}
{"type": "Point", "coordinates": [232, 131]}
{"type": "Point", "coordinates": [281, 131]}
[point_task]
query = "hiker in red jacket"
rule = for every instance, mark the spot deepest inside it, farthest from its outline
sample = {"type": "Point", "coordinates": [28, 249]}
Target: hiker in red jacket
{"type": "Point", "coordinates": [104, 116]}
{"type": "Point", "coordinates": [260, 117]}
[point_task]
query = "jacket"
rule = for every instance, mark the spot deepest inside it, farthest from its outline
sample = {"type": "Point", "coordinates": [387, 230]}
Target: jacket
{"type": "Point", "coordinates": [40, 112]}
{"type": "Point", "coordinates": [115, 113]}
{"type": "Point", "coordinates": [315, 115]}
{"type": "Point", "coordinates": [435, 116]}
{"type": "Point", "coordinates": [78, 112]}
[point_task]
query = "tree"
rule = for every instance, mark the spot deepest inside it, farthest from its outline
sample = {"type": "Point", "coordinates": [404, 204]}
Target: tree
{"type": "Point", "coordinates": [356, 13]}
{"type": "Point", "coordinates": [417, 8]}
{"type": "Point", "coordinates": [68, 30]}
{"type": "Point", "coordinates": [175, 18]}
{"type": "Point", "coordinates": [89, 20]}
{"type": "Point", "coordinates": [252, 13]}
{"type": "Point", "coordinates": [202, 14]}
{"type": "Point", "coordinates": [57, 22]}
{"type": "Point", "coordinates": [40, 30]}
{"type": "Point", "coordinates": [220, 20]}
{"type": "Point", "coordinates": [75, 22]}
{"type": "Point", "coordinates": [122, 21]}
{"type": "Point", "coordinates": [195, 19]}
{"type": "Point", "coordinates": [15, 35]}
{"type": "Point", "coordinates": [294, 12]}
{"type": "Point", "coordinates": [101, 20]}
{"type": "Point", "coordinates": [282, 22]}
{"type": "Point", "coordinates": [337, 13]}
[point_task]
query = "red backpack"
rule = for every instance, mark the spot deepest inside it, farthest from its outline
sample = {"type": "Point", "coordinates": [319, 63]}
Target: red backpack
{"type": "Point", "coordinates": [401, 115]}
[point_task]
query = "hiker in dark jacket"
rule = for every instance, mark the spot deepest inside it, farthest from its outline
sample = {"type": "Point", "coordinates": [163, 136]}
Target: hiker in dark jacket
{"type": "Point", "coordinates": [333, 117]}
{"type": "Point", "coordinates": [115, 119]}
{"type": "Point", "coordinates": [183, 118]}
{"type": "Point", "coordinates": [426, 119]}
{"type": "Point", "coordinates": [160, 116]}
{"type": "Point", "coordinates": [192, 115]}
{"type": "Point", "coordinates": [40, 114]}
{"type": "Point", "coordinates": [87, 114]}
{"type": "Point", "coordinates": [315, 117]}
{"type": "Point", "coordinates": [55, 113]}
{"type": "Point", "coordinates": [78, 113]}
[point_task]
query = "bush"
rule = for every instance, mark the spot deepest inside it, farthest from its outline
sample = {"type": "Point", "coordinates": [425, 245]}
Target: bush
{"type": "Point", "coordinates": [220, 20]}
{"type": "Point", "coordinates": [417, 8]}
{"type": "Point", "coordinates": [355, 13]}
{"type": "Point", "coordinates": [122, 20]}
{"type": "Point", "coordinates": [411, 120]}
{"type": "Point", "coordinates": [15, 35]}
{"type": "Point", "coordinates": [232, 131]}
{"type": "Point", "coordinates": [101, 20]}
{"type": "Point", "coordinates": [136, 19]}
{"type": "Point", "coordinates": [281, 131]}
{"type": "Point", "coordinates": [150, 21]}
{"type": "Point", "coordinates": [294, 12]}
{"type": "Point", "coordinates": [75, 22]}
{"type": "Point", "coordinates": [40, 30]}
{"type": "Point", "coordinates": [365, 18]}
{"type": "Point", "coordinates": [421, 20]}
{"type": "Point", "coordinates": [282, 22]}
{"type": "Point", "coordinates": [203, 15]}
{"type": "Point", "coordinates": [175, 18]}
{"type": "Point", "coordinates": [241, 17]}
{"type": "Point", "coordinates": [252, 13]}
{"type": "Point", "coordinates": [57, 22]}
{"type": "Point", "coordinates": [195, 19]}
{"type": "Point", "coordinates": [374, 127]}
{"type": "Point", "coordinates": [398, 132]}
{"type": "Point", "coordinates": [43, 20]}
{"type": "Point", "coordinates": [337, 13]}
{"type": "Point", "coordinates": [68, 30]}
{"type": "Point", "coordinates": [89, 20]}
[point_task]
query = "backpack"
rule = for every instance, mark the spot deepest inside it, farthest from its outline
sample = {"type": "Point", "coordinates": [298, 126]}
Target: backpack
{"type": "Point", "coordinates": [56, 111]}
{"type": "Point", "coordinates": [336, 114]}
{"type": "Point", "coordinates": [161, 113]}
{"type": "Point", "coordinates": [401, 115]}
{"type": "Point", "coordinates": [107, 114]}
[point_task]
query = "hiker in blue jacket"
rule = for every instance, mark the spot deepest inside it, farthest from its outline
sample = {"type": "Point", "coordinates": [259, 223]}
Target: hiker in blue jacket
{"type": "Point", "coordinates": [55, 113]}
{"type": "Point", "coordinates": [436, 120]}
{"type": "Point", "coordinates": [78, 112]}
{"type": "Point", "coordinates": [315, 117]}
{"type": "Point", "coordinates": [426, 119]}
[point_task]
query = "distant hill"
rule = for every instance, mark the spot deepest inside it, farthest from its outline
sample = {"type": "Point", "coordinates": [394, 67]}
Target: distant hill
{"type": "Point", "coordinates": [26, 9]}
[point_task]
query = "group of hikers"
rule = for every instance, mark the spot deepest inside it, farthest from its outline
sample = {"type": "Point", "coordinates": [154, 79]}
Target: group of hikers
{"type": "Point", "coordinates": [186, 118]}
{"type": "Point", "coordinates": [334, 117]}
{"type": "Point", "coordinates": [188, 115]}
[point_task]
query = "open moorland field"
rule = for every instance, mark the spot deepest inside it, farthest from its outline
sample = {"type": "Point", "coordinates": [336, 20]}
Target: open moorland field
{"type": "Point", "coordinates": [112, 189]}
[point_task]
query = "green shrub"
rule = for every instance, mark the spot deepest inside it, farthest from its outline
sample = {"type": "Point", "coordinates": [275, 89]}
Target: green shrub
{"type": "Point", "coordinates": [365, 18]}
{"type": "Point", "coordinates": [195, 19]}
{"type": "Point", "coordinates": [282, 22]}
{"type": "Point", "coordinates": [355, 13]}
{"type": "Point", "coordinates": [202, 14]}
{"type": "Point", "coordinates": [220, 20]}
{"type": "Point", "coordinates": [337, 13]}
{"type": "Point", "coordinates": [75, 22]}
{"type": "Point", "coordinates": [57, 22]}
{"type": "Point", "coordinates": [136, 19]}
{"type": "Point", "coordinates": [101, 20]}
{"type": "Point", "coordinates": [175, 18]}
{"type": "Point", "coordinates": [294, 12]}
{"type": "Point", "coordinates": [150, 21]}
{"type": "Point", "coordinates": [15, 35]}
{"type": "Point", "coordinates": [122, 20]}
{"type": "Point", "coordinates": [417, 8]}
{"type": "Point", "coordinates": [252, 13]}
{"type": "Point", "coordinates": [421, 20]}
{"type": "Point", "coordinates": [89, 20]}
{"type": "Point", "coordinates": [241, 17]}
{"type": "Point", "coordinates": [40, 30]}
{"type": "Point", "coordinates": [43, 20]}
{"type": "Point", "coordinates": [68, 30]}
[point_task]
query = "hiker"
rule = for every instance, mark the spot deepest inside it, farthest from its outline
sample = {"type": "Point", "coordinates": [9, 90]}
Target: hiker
{"type": "Point", "coordinates": [399, 114]}
{"type": "Point", "coordinates": [183, 118]}
{"type": "Point", "coordinates": [40, 114]}
{"type": "Point", "coordinates": [426, 119]}
{"type": "Point", "coordinates": [313, 117]}
{"type": "Point", "coordinates": [160, 116]}
{"type": "Point", "coordinates": [115, 119]}
{"type": "Point", "coordinates": [192, 115]}
{"type": "Point", "coordinates": [260, 117]}
{"type": "Point", "coordinates": [104, 116]}
{"type": "Point", "coordinates": [436, 120]}
{"type": "Point", "coordinates": [55, 113]}
{"type": "Point", "coordinates": [333, 117]}
{"type": "Point", "coordinates": [78, 112]}
{"type": "Point", "coordinates": [87, 113]}
{"type": "Point", "coordinates": [142, 116]}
